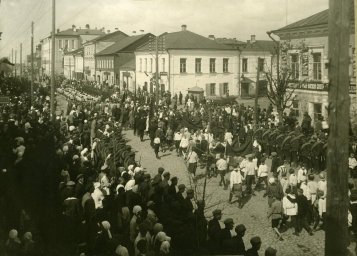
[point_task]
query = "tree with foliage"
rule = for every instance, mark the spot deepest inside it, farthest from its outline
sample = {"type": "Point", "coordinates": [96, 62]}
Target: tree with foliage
{"type": "Point", "coordinates": [280, 92]}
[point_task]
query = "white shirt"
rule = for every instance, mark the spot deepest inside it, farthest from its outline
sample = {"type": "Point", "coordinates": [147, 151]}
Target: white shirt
{"type": "Point", "coordinates": [221, 164]}
{"type": "Point", "coordinates": [184, 142]}
{"type": "Point", "coordinates": [352, 162]}
{"type": "Point", "coordinates": [235, 178]}
{"type": "Point", "coordinates": [290, 208]}
{"type": "Point", "coordinates": [263, 170]}
{"type": "Point", "coordinates": [300, 174]}
{"type": "Point", "coordinates": [177, 136]}
{"type": "Point", "coordinates": [250, 168]}
{"type": "Point", "coordinates": [321, 185]}
{"type": "Point", "coordinates": [192, 157]}
{"type": "Point", "coordinates": [306, 190]}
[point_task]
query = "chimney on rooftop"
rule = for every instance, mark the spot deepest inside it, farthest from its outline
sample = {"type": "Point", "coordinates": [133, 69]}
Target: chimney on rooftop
{"type": "Point", "coordinates": [211, 37]}
{"type": "Point", "coordinates": [134, 32]}
{"type": "Point", "coordinates": [252, 39]}
{"type": "Point", "coordinates": [74, 28]}
{"type": "Point", "coordinates": [103, 29]}
{"type": "Point", "coordinates": [108, 31]}
{"type": "Point", "coordinates": [87, 26]}
{"type": "Point", "coordinates": [58, 30]}
{"type": "Point", "coordinates": [183, 27]}
{"type": "Point", "coordinates": [116, 29]}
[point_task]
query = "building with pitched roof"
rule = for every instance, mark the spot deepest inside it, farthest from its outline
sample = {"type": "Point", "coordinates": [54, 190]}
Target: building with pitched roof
{"type": "Point", "coordinates": [73, 64]}
{"type": "Point", "coordinates": [115, 64]}
{"type": "Point", "coordinates": [66, 40]}
{"type": "Point", "coordinates": [185, 60]}
{"type": "Point", "coordinates": [312, 95]}
{"type": "Point", "coordinates": [96, 45]}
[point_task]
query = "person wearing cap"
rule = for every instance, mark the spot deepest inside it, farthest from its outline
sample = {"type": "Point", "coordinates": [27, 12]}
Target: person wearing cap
{"type": "Point", "coordinates": [226, 236]}
{"type": "Point", "coordinates": [214, 231]}
{"type": "Point", "coordinates": [303, 212]}
{"type": "Point", "coordinates": [235, 184]}
{"type": "Point", "coordinates": [237, 240]}
{"type": "Point", "coordinates": [187, 205]}
{"type": "Point", "coordinates": [179, 195]}
{"type": "Point", "coordinates": [142, 235]}
{"type": "Point", "coordinates": [256, 243]}
{"type": "Point", "coordinates": [275, 212]}
{"type": "Point", "coordinates": [158, 177]}
{"type": "Point", "coordinates": [222, 167]}
{"type": "Point", "coordinates": [173, 189]}
{"type": "Point", "coordinates": [270, 251]}
{"type": "Point", "coordinates": [164, 184]}
{"type": "Point", "coordinates": [275, 163]}
{"type": "Point", "coordinates": [79, 189]}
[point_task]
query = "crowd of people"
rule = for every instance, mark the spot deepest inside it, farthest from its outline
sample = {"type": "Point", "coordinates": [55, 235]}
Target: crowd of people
{"type": "Point", "coordinates": [98, 200]}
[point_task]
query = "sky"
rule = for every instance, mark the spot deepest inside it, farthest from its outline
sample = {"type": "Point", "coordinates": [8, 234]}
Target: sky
{"type": "Point", "coordinates": [222, 18]}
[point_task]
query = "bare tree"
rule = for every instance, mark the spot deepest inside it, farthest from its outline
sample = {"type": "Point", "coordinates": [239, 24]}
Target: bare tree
{"type": "Point", "coordinates": [281, 86]}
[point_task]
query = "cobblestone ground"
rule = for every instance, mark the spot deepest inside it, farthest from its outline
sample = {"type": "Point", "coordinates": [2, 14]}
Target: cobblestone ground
{"type": "Point", "coordinates": [253, 215]}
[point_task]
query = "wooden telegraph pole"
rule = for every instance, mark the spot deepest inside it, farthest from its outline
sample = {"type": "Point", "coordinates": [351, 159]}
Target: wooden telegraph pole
{"type": "Point", "coordinates": [20, 59]}
{"type": "Point", "coordinates": [53, 59]}
{"type": "Point", "coordinates": [256, 97]}
{"type": "Point", "coordinates": [337, 239]}
{"type": "Point", "coordinates": [32, 75]}
{"type": "Point", "coordinates": [157, 69]}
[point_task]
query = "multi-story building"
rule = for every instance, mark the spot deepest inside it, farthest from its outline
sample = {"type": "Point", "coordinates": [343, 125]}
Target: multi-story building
{"type": "Point", "coordinates": [311, 96]}
{"type": "Point", "coordinates": [112, 63]}
{"type": "Point", "coordinates": [188, 60]}
{"type": "Point", "coordinates": [96, 45]}
{"type": "Point", "coordinates": [73, 64]}
{"type": "Point", "coordinates": [66, 40]}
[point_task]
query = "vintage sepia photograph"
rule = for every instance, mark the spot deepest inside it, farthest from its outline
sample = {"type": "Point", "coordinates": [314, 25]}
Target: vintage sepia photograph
{"type": "Point", "coordinates": [178, 128]}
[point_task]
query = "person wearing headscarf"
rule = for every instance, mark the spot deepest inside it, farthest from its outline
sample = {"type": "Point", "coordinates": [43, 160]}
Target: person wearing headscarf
{"type": "Point", "coordinates": [13, 244]}
{"type": "Point", "coordinates": [29, 248]}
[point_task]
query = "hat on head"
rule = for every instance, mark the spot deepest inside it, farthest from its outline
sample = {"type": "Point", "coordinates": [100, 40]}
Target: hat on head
{"type": "Point", "coordinates": [70, 183]}
{"type": "Point", "coordinates": [28, 125]}
{"type": "Point", "coordinates": [75, 157]}
{"type": "Point", "coordinates": [270, 251]}
{"type": "Point", "coordinates": [160, 169]}
{"type": "Point", "coordinates": [137, 209]}
{"type": "Point", "coordinates": [255, 240]}
{"type": "Point", "coordinates": [150, 203]}
{"type": "Point", "coordinates": [166, 174]}
{"type": "Point", "coordinates": [228, 221]}
{"type": "Point", "coordinates": [161, 236]}
{"type": "Point", "coordinates": [274, 154]}
{"type": "Point", "coordinates": [13, 234]}
{"type": "Point", "coordinates": [174, 178]}
{"type": "Point", "coordinates": [181, 186]}
{"type": "Point", "coordinates": [217, 212]}
{"type": "Point", "coordinates": [71, 128]}
{"type": "Point", "coordinates": [240, 228]}
{"type": "Point", "coordinates": [28, 236]}
{"type": "Point", "coordinates": [157, 228]}
{"type": "Point", "coordinates": [271, 180]}
{"type": "Point", "coordinates": [79, 176]}
{"type": "Point", "coordinates": [189, 191]}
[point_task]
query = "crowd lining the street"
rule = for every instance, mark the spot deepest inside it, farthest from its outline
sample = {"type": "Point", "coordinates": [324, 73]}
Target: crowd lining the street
{"type": "Point", "coordinates": [106, 203]}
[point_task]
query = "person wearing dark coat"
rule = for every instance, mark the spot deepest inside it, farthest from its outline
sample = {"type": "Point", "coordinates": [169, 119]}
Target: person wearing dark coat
{"type": "Point", "coordinates": [237, 241]}
{"type": "Point", "coordinates": [256, 243]}
{"type": "Point", "coordinates": [79, 189]}
{"type": "Point", "coordinates": [303, 210]}
{"type": "Point", "coordinates": [187, 206]}
{"type": "Point", "coordinates": [141, 125]}
{"type": "Point", "coordinates": [171, 191]}
{"type": "Point", "coordinates": [214, 231]}
{"type": "Point", "coordinates": [226, 237]}
{"type": "Point", "coordinates": [275, 163]}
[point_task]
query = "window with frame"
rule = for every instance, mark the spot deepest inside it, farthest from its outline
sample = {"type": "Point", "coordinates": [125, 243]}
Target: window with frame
{"type": "Point", "coordinates": [212, 89]}
{"type": "Point", "coordinates": [225, 88]}
{"type": "Point", "coordinates": [261, 63]}
{"type": "Point", "coordinates": [225, 65]}
{"type": "Point", "coordinates": [294, 66]}
{"type": "Point", "coordinates": [212, 65]}
{"type": "Point", "coordinates": [146, 65]}
{"type": "Point", "coordinates": [316, 66]}
{"type": "Point", "coordinates": [245, 65]}
{"type": "Point", "coordinates": [182, 65]}
{"type": "Point", "coordinates": [198, 62]}
{"type": "Point", "coordinates": [317, 111]}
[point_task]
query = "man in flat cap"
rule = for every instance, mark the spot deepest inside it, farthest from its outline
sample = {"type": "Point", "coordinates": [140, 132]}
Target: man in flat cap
{"type": "Point", "coordinates": [256, 243]}
{"type": "Point", "coordinates": [214, 231]}
{"type": "Point", "coordinates": [226, 236]}
{"type": "Point", "coordinates": [237, 240]}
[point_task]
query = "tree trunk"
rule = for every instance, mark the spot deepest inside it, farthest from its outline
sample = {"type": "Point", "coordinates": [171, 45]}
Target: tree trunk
{"type": "Point", "coordinates": [280, 111]}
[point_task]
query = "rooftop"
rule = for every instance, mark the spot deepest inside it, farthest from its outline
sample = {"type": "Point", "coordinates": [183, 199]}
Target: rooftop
{"type": "Point", "coordinates": [229, 41]}
{"type": "Point", "coordinates": [260, 46]}
{"type": "Point", "coordinates": [112, 37]}
{"type": "Point", "coordinates": [79, 32]}
{"type": "Point", "coordinates": [188, 40]}
{"type": "Point", "coordinates": [123, 44]}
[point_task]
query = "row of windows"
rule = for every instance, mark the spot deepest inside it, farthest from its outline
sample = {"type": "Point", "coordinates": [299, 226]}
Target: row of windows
{"type": "Point", "coordinates": [223, 89]}
{"type": "Point", "coordinates": [105, 64]}
{"type": "Point", "coordinates": [69, 44]}
{"type": "Point", "coordinates": [315, 73]}
{"type": "Point", "coordinates": [261, 63]}
{"type": "Point", "coordinates": [151, 63]}
{"type": "Point", "coordinates": [198, 65]}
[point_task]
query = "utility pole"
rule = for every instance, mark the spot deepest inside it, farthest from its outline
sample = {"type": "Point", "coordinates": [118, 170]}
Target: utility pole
{"type": "Point", "coordinates": [12, 59]}
{"type": "Point", "coordinates": [256, 97]}
{"type": "Point", "coordinates": [157, 68]}
{"type": "Point", "coordinates": [32, 75]}
{"type": "Point", "coordinates": [20, 59]}
{"type": "Point", "coordinates": [337, 203]}
{"type": "Point", "coordinates": [15, 62]}
{"type": "Point", "coordinates": [53, 59]}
